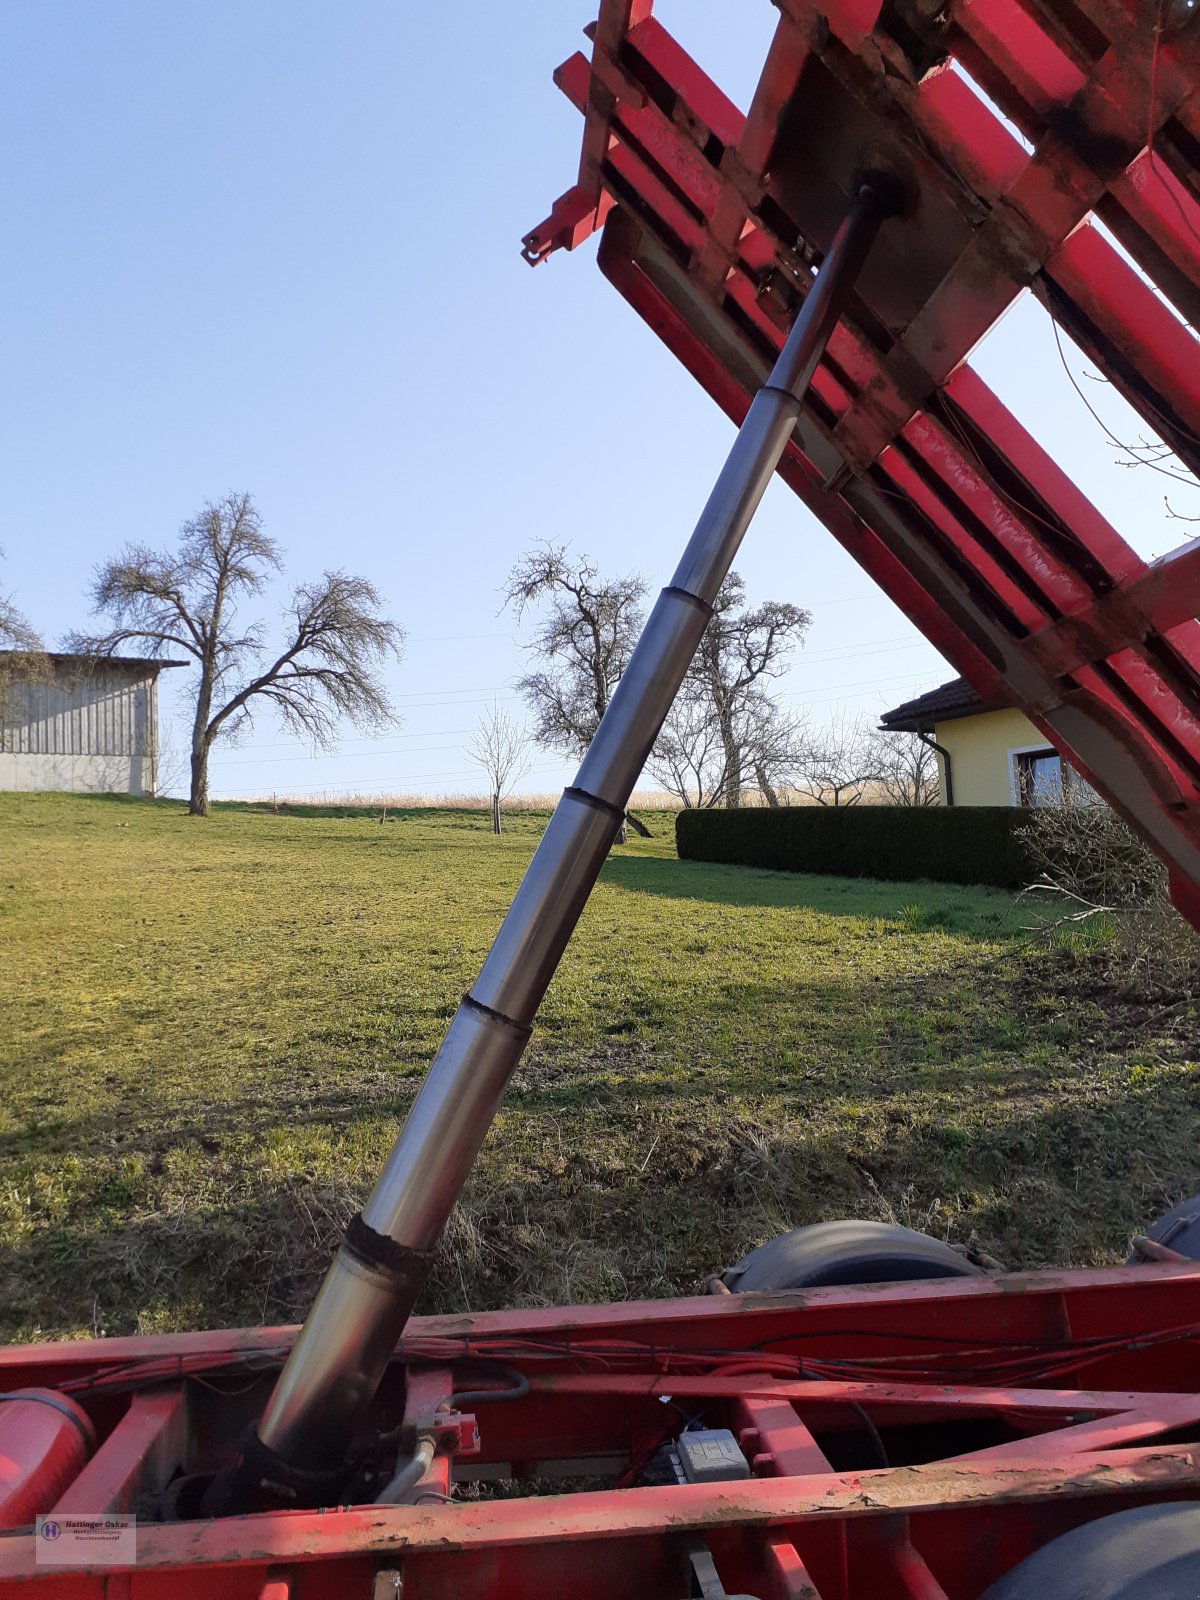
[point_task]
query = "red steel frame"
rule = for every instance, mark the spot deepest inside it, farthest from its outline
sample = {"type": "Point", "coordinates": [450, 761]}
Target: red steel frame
{"type": "Point", "coordinates": [904, 453]}
{"type": "Point", "coordinates": [1082, 1378]}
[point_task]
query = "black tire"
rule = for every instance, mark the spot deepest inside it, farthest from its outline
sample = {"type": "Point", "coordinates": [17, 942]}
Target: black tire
{"type": "Point", "coordinates": [846, 1252]}
{"type": "Point", "coordinates": [1150, 1553]}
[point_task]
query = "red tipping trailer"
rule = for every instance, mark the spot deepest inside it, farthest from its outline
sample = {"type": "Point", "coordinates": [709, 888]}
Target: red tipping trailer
{"type": "Point", "coordinates": [854, 1412]}
{"type": "Point", "coordinates": [1081, 182]}
{"type": "Point", "coordinates": [1009, 1411]}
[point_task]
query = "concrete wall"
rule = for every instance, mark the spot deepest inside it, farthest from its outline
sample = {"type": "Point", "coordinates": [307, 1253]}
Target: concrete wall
{"type": "Point", "coordinates": [97, 774]}
{"type": "Point", "coordinates": [981, 750]}
{"type": "Point", "coordinates": [92, 731]}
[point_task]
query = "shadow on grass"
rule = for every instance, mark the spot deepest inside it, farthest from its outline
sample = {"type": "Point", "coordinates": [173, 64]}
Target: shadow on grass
{"type": "Point", "coordinates": [870, 1039]}
{"type": "Point", "coordinates": [977, 911]}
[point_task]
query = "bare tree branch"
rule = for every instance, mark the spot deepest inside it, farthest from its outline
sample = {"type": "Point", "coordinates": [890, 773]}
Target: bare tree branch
{"type": "Point", "coordinates": [691, 761]}
{"type": "Point", "coordinates": [586, 634]}
{"type": "Point", "coordinates": [742, 649]}
{"type": "Point", "coordinates": [329, 668]}
{"type": "Point", "coordinates": [839, 764]}
{"type": "Point", "coordinates": [688, 759]}
{"type": "Point", "coordinates": [903, 767]}
{"type": "Point", "coordinates": [327, 671]}
{"type": "Point", "coordinates": [16, 632]}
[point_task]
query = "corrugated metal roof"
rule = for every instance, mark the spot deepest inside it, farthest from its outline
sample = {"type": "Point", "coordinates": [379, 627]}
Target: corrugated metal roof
{"type": "Point", "coordinates": [85, 662]}
{"type": "Point", "coordinates": [943, 704]}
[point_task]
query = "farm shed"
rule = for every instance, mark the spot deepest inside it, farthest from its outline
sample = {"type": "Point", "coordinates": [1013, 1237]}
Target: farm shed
{"type": "Point", "coordinates": [79, 723]}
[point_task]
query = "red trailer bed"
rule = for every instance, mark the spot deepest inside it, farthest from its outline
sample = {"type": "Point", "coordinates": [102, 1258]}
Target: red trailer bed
{"type": "Point", "coordinates": [1009, 1409]}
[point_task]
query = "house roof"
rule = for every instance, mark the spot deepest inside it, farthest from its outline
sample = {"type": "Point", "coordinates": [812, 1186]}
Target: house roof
{"type": "Point", "coordinates": [66, 657]}
{"type": "Point", "coordinates": [943, 704]}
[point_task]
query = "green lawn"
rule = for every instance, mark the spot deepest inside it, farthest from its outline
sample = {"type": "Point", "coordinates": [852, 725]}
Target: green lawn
{"type": "Point", "coordinates": [210, 1028]}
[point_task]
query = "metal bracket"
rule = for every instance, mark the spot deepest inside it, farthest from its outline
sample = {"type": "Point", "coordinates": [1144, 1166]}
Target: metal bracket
{"type": "Point", "coordinates": [706, 1583]}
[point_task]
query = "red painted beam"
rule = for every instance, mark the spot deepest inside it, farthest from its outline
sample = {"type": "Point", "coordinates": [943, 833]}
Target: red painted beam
{"type": "Point", "coordinates": [145, 1449]}
{"type": "Point", "coordinates": [499, 1526]}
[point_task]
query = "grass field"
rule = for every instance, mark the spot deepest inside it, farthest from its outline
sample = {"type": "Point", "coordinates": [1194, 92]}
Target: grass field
{"type": "Point", "coordinates": [210, 1029]}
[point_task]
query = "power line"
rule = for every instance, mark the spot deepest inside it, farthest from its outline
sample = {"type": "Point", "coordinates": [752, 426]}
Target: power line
{"type": "Point", "coordinates": [834, 653]}
{"type": "Point", "coordinates": [343, 755]}
{"type": "Point", "coordinates": [379, 786]}
{"type": "Point", "coordinates": [860, 683]}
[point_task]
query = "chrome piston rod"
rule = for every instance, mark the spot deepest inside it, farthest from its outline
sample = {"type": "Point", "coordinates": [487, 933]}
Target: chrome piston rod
{"type": "Point", "coordinates": [369, 1292]}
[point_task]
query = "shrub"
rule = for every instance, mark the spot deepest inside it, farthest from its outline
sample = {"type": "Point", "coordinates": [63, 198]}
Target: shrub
{"type": "Point", "coordinates": [1084, 850]}
{"type": "Point", "coordinates": [965, 844]}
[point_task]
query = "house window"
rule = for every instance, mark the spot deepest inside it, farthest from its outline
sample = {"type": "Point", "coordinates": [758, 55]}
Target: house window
{"type": "Point", "coordinates": [1040, 777]}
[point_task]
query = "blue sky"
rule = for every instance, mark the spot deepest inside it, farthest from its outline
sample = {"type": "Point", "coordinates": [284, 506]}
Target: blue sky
{"type": "Point", "coordinates": [275, 246]}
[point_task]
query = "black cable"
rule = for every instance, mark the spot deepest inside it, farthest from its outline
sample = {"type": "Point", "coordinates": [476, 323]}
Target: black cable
{"type": "Point", "coordinates": [872, 1433]}
{"type": "Point", "coordinates": [517, 1389]}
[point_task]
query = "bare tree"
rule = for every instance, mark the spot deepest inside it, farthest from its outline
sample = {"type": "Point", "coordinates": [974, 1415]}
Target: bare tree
{"type": "Point", "coordinates": [585, 636]}
{"type": "Point", "coordinates": [22, 655]}
{"type": "Point", "coordinates": [741, 650]}
{"type": "Point", "coordinates": [327, 669]}
{"type": "Point", "coordinates": [690, 758]}
{"type": "Point", "coordinates": [501, 748]}
{"type": "Point", "coordinates": [904, 768]}
{"type": "Point", "coordinates": [777, 742]}
{"type": "Point", "coordinates": [838, 765]}
{"type": "Point", "coordinates": [16, 632]}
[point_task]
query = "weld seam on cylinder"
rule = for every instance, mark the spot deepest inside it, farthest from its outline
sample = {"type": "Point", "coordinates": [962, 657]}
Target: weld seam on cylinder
{"type": "Point", "coordinates": [381, 1254]}
{"type": "Point", "coordinates": [489, 1014]}
{"type": "Point", "coordinates": [784, 393]}
{"type": "Point", "coordinates": [676, 592]}
{"type": "Point", "coordinates": [594, 800]}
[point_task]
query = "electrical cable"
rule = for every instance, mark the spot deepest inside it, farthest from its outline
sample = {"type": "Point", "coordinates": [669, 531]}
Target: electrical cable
{"type": "Point", "coordinates": [516, 1389]}
{"type": "Point", "coordinates": [1029, 1360]}
{"type": "Point", "coordinates": [872, 1433]}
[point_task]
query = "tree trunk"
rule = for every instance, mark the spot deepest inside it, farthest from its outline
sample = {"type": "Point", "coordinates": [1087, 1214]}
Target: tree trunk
{"type": "Point", "coordinates": [733, 759]}
{"type": "Point", "coordinates": [198, 799]}
{"type": "Point", "coordinates": [731, 788]}
{"type": "Point", "coordinates": [764, 785]}
{"type": "Point", "coordinates": [201, 743]}
{"type": "Point", "coordinates": [638, 826]}
{"type": "Point", "coordinates": [496, 813]}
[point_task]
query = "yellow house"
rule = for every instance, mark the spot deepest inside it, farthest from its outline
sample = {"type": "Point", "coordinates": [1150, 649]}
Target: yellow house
{"type": "Point", "coordinates": [986, 755]}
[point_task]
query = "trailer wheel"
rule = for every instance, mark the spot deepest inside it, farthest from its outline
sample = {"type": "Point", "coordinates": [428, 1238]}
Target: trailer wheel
{"type": "Point", "coordinates": [827, 1253]}
{"type": "Point", "coordinates": [1150, 1553]}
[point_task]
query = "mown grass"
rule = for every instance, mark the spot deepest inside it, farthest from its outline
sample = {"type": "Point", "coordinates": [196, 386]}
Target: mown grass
{"type": "Point", "coordinates": [211, 1028]}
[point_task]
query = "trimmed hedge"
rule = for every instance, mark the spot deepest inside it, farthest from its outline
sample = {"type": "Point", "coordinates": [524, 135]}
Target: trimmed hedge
{"type": "Point", "coordinates": [955, 844]}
